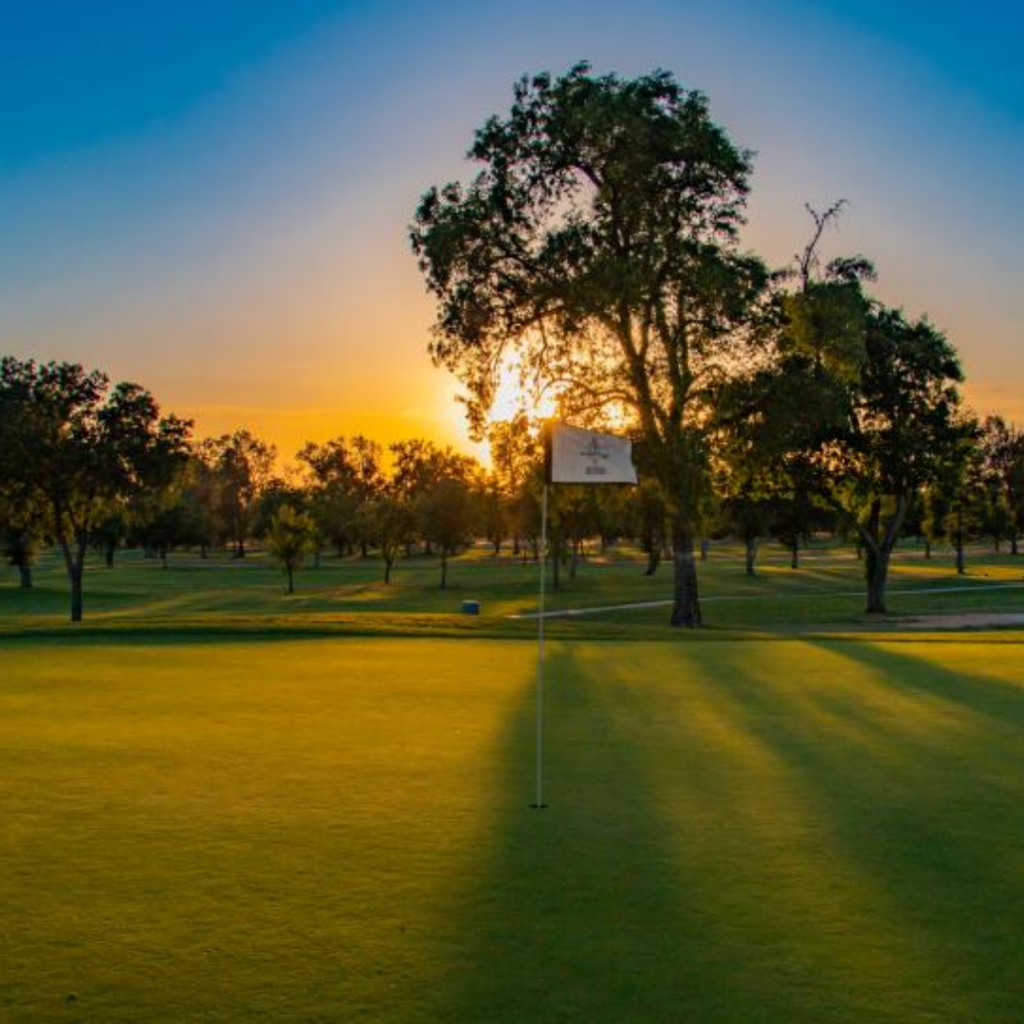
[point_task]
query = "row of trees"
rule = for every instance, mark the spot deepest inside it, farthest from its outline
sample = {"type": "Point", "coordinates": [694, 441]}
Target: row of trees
{"type": "Point", "coordinates": [84, 464]}
{"type": "Point", "coordinates": [598, 250]}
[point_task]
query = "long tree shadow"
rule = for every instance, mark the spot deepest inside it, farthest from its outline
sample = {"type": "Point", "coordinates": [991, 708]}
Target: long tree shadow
{"type": "Point", "coordinates": [703, 859]}
{"type": "Point", "coordinates": [975, 692]}
{"type": "Point", "coordinates": [575, 916]}
{"type": "Point", "coordinates": [917, 772]}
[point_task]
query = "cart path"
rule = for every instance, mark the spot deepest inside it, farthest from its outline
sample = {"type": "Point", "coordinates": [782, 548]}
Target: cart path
{"type": "Point", "coordinates": [569, 613]}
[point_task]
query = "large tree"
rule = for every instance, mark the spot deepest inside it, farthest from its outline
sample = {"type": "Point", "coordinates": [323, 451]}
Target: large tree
{"type": "Point", "coordinates": [859, 407]}
{"type": "Point", "coordinates": [903, 420]}
{"type": "Point", "coordinates": [597, 249]}
{"type": "Point", "coordinates": [872, 417]}
{"type": "Point", "coordinates": [74, 443]}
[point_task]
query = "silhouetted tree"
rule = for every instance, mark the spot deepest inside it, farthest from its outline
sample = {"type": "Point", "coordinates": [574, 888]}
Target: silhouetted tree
{"type": "Point", "coordinates": [1003, 448]}
{"type": "Point", "coordinates": [79, 446]}
{"type": "Point", "coordinates": [243, 467]}
{"type": "Point", "coordinates": [649, 511]}
{"type": "Point", "coordinates": [390, 526]}
{"type": "Point", "coordinates": [901, 422]}
{"type": "Point", "coordinates": [445, 517]}
{"type": "Point", "coordinates": [859, 404]}
{"type": "Point", "coordinates": [23, 525]}
{"type": "Point", "coordinates": [515, 448]}
{"type": "Point", "coordinates": [598, 245]}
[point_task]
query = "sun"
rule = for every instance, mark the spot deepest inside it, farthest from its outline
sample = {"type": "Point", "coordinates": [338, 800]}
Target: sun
{"type": "Point", "coordinates": [513, 396]}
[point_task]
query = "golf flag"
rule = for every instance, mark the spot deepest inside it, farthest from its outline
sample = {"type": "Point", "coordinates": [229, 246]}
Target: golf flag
{"type": "Point", "coordinates": [586, 457]}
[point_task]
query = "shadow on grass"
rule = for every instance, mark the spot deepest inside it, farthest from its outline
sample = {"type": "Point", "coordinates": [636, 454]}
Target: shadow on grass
{"type": "Point", "coordinates": [916, 774]}
{"type": "Point", "coordinates": [930, 682]}
{"type": "Point", "coordinates": [575, 915]}
{"type": "Point", "coordinates": [719, 848]}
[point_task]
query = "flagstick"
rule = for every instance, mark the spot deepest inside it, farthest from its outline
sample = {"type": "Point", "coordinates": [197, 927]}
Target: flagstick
{"type": "Point", "coordinates": [539, 804]}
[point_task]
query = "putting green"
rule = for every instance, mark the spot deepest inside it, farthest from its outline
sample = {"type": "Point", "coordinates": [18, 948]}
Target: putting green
{"type": "Point", "coordinates": [338, 830]}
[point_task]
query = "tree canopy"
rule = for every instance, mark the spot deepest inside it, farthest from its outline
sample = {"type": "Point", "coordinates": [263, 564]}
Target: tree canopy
{"type": "Point", "coordinates": [598, 244]}
{"type": "Point", "coordinates": [77, 445]}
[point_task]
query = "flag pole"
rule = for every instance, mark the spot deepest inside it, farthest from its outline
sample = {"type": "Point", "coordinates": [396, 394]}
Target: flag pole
{"type": "Point", "coordinates": [583, 457]}
{"type": "Point", "coordinates": [539, 801]}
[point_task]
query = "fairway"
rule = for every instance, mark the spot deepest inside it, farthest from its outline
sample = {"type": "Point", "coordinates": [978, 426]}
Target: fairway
{"type": "Point", "coordinates": [220, 595]}
{"type": "Point", "coordinates": [338, 830]}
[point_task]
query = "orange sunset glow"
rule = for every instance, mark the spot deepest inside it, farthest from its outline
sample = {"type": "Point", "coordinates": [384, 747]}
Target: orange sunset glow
{"type": "Point", "coordinates": [244, 254]}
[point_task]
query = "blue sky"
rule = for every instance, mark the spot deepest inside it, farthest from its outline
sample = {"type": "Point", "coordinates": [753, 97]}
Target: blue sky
{"type": "Point", "coordinates": [211, 198]}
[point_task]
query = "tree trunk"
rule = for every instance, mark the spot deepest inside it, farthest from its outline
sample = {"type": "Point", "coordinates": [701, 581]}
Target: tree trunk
{"type": "Point", "coordinates": [877, 571]}
{"type": "Point", "coordinates": [108, 554]}
{"type": "Point", "coordinates": [387, 570]}
{"type": "Point", "coordinates": [76, 593]}
{"type": "Point", "coordinates": [1013, 543]}
{"type": "Point", "coordinates": [752, 543]}
{"type": "Point", "coordinates": [794, 554]}
{"type": "Point", "coordinates": [653, 559]}
{"type": "Point", "coordinates": [444, 569]}
{"type": "Point", "coordinates": [574, 559]}
{"type": "Point", "coordinates": [958, 542]}
{"type": "Point", "coordinates": [74, 561]}
{"type": "Point", "coordinates": [685, 599]}
{"type": "Point", "coordinates": [879, 540]}
{"type": "Point", "coordinates": [25, 570]}
{"type": "Point", "coordinates": [927, 548]}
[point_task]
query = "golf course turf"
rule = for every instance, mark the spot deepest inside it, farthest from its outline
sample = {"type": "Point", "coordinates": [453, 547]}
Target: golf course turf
{"type": "Point", "coordinates": [800, 830]}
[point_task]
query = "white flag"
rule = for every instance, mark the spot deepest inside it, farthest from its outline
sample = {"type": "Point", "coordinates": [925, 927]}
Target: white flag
{"type": "Point", "coordinates": [586, 457]}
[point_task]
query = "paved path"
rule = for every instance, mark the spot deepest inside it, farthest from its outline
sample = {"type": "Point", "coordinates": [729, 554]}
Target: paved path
{"type": "Point", "coordinates": [962, 620]}
{"type": "Point", "coordinates": [570, 613]}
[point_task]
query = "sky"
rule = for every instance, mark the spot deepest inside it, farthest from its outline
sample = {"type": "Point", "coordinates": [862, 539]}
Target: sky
{"type": "Point", "coordinates": [212, 198]}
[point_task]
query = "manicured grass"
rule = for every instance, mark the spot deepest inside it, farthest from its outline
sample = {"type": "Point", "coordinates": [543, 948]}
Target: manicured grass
{"type": "Point", "coordinates": [347, 595]}
{"type": "Point", "coordinates": [338, 830]}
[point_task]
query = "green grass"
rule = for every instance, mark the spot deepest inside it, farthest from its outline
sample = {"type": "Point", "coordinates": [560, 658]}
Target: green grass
{"type": "Point", "coordinates": [337, 830]}
{"type": "Point", "coordinates": [216, 806]}
{"type": "Point", "coordinates": [347, 595]}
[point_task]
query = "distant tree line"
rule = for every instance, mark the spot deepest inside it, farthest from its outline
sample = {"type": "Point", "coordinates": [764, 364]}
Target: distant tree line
{"type": "Point", "coordinates": [87, 465]}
